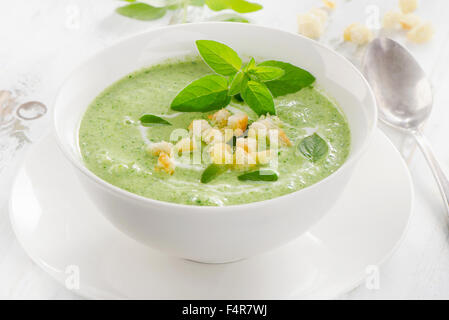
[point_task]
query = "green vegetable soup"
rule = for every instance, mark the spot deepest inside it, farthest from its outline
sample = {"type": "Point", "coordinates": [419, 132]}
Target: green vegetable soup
{"type": "Point", "coordinates": [135, 112]}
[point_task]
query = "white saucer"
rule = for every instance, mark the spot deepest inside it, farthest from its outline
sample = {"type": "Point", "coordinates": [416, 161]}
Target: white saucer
{"type": "Point", "coordinates": [63, 232]}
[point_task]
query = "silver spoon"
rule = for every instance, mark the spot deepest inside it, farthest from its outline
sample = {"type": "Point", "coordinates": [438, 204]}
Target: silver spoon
{"type": "Point", "coordinates": [404, 96]}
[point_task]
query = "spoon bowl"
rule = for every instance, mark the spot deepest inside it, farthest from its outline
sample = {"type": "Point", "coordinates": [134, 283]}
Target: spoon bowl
{"type": "Point", "coordinates": [404, 95]}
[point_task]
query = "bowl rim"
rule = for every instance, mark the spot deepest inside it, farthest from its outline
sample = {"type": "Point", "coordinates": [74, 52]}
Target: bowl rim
{"type": "Point", "coordinates": [127, 195]}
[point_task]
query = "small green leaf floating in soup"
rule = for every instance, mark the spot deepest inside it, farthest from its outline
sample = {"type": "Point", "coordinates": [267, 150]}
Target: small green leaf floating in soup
{"type": "Point", "coordinates": [141, 11]}
{"type": "Point", "coordinates": [221, 58]}
{"type": "Point", "coordinates": [259, 175]}
{"type": "Point", "coordinates": [211, 172]}
{"type": "Point", "coordinates": [313, 147]}
{"type": "Point", "coordinates": [148, 120]}
{"type": "Point", "coordinates": [205, 94]}
{"type": "Point", "coordinates": [293, 80]}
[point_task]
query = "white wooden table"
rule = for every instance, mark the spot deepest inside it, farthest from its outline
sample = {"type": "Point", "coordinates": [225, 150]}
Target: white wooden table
{"type": "Point", "coordinates": [42, 41]}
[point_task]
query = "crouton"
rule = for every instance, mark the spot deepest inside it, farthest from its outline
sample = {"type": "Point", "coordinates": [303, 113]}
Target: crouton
{"type": "Point", "coordinates": [238, 122]}
{"type": "Point", "coordinates": [200, 125]}
{"type": "Point", "coordinates": [221, 153]}
{"type": "Point", "coordinates": [212, 135]}
{"type": "Point", "coordinates": [185, 145]}
{"type": "Point", "coordinates": [244, 158]}
{"type": "Point", "coordinates": [391, 20]}
{"type": "Point", "coordinates": [156, 148]}
{"type": "Point", "coordinates": [409, 21]}
{"type": "Point", "coordinates": [421, 33]}
{"type": "Point", "coordinates": [408, 6]}
{"type": "Point", "coordinates": [261, 128]}
{"type": "Point", "coordinates": [165, 163]}
{"type": "Point", "coordinates": [329, 4]}
{"type": "Point", "coordinates": [358, 34]}
{"type": "Point", "coordinates": [220, 118]}
{"type": "Point", "coordinates": [285, 141]}
{"type": "Point", "coordinates": [248, 144]}
{"type": "Point", "coordinates": [263, 157]}
{"type": "Point", "coordinates": [310, 25]}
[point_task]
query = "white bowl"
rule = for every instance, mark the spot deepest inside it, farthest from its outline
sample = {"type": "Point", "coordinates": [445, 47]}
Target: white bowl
{"type": "Point", "coordinates": [215, 234]}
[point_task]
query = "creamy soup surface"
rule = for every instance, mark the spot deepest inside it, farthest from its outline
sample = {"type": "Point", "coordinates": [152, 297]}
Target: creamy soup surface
{"type": "Point", "coordinates": [113, 142]}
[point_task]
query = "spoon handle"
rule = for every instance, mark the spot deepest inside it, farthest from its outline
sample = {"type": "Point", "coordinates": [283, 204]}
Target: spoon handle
{"type": "Point", "coordinates": [442, 180]}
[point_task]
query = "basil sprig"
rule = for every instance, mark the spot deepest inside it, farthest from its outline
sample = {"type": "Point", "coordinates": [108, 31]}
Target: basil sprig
{"type": "Point", "coordinates": [255, 83]}
{"type": "Point", "coordinates": [313, 147]}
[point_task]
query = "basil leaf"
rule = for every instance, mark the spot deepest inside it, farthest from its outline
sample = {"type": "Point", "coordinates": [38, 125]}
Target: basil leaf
{"type": "Point", "coordinates": [293, 80]}
{"type": "Point", "coordinates": [221, 58]}
{"type": "Point", "coordinates": [313, 147]}
{"type": "Point", "coordinates": [211, 172]}
{"type": "Point", "coordinates": [259, 175]}
{"type": "Point", "coordinates": [250, 65]}
{"type": "Point", "coordinates": [236, 83]}
{"type": "Point", "coordinates": [266, 73]}
{"type": "Point", "coordinates": [242, 6]}
{"type": "Point", "coordinates": [141, 11]}
{"type": "Point", "coordinates": [258, 97]}
{"type": "Point", "coordinates": [218, 5]}
{"type": "Point", "coordinates": [149, 119]}
{"type": "Point", "coordinates": [205, 94]}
